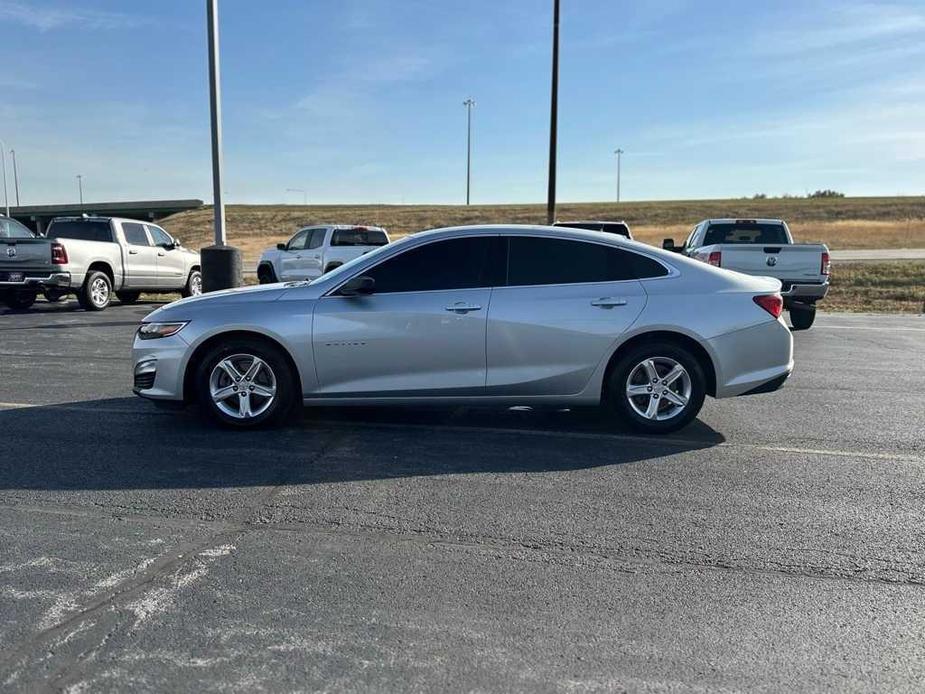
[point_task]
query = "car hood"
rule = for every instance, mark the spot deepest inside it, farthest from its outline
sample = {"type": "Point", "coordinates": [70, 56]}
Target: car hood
{"type": "Point", "coordinates": [240, 295]}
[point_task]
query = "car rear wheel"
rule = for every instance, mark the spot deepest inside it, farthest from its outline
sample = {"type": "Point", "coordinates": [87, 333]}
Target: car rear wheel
{"type": "Point", "coordinates": [802, 317]}
{"type": "Point", "coordinates": [246, 383]}
{"type": "Point", "coordinates": [19, 300]}
{"type": "Point", "coordinates": [128, 297]}
{"type": "Point", "coordinates": [96, 292]}
{"type": "Point", "coordinates": [193, 284]}
{"type": "Point", "coordinates": [657, 387]}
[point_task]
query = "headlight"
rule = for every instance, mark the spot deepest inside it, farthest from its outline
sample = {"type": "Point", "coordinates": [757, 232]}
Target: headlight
{"type": "Point", "coordinates": [152, 331]}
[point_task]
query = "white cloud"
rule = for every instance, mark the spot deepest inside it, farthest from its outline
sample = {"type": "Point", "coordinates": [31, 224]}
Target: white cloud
{"type": "Point", "coordinates": [47, 18]}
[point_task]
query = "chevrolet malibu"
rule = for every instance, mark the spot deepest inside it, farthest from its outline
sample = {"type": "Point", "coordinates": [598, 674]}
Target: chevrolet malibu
{"type": "Point", "coordinates": [479, 315]}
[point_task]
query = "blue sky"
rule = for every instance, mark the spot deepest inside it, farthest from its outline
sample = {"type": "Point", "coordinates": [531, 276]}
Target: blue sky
{"type": "Point", "coordinates": [361, 100]}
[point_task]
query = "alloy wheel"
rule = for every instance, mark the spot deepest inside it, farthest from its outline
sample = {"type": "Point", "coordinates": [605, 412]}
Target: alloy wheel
{"type": "Point", "coordinates": [658, 388]}
{"type": "Point", "coordinates": [195, 284]}
{"type": "Point", "coordinates": [242, 386]}
{"type": "Point", "coordinates": [99, 291]}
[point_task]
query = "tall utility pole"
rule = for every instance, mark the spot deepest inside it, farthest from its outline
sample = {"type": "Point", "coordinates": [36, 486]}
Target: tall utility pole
{"type": "Point", "coordinates": [6, 199]}
{"type": "Point", "coordinates": [15, 176]}
{"type": "Point", "coordinates": [619, 153]}
{"type": "Point", "coordinates": [215, 105]}
{"type": "Point", "coordinates": [468, 103]}
{"type": "Point", "coordinates": [80, 188]}
{"type": "Point", "coordinates": [553, 117]}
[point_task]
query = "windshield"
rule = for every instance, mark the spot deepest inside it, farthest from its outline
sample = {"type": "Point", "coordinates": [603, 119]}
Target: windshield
{"type": "Point", "coordinates": [744, 232]}
{"type": "Point", "coordinates": [11, 229]}
{"type": "Point", "coordinates": [347, 268]}
{"type": "Point", "coordinates": [359, 237]}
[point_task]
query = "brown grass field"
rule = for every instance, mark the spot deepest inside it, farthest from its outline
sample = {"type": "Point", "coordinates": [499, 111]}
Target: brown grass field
{"type": "Point", "coordinates": [897, 222]}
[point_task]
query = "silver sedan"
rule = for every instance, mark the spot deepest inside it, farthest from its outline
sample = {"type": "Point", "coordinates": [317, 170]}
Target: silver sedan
{"type": "Point", "coordinates": [482, 315]}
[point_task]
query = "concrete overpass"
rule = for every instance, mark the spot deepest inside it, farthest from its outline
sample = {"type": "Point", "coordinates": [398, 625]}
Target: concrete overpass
{"type": "Point", "coordinates": [36, 217]}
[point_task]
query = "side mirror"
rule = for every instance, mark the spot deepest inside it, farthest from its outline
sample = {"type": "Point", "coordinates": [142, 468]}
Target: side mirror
{"type": "Point", "coordinates": [358, 286]}
{"type": "Point", "coordinates": [281, 246]}
{"type": "Point", "coordinates": [668, 245]}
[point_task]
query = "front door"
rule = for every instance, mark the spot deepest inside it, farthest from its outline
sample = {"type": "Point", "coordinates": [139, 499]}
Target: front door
{"type": "Point", "coordinates": [140, 258]}
{"type": "Point", "coordinates": [310, 261]}
{"type": "Point", "coordinates": [291, 258]}
{"type": "Point", "coordinates": [422, 331]}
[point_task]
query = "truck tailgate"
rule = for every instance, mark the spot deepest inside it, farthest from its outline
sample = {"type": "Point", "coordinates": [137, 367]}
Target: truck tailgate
{"type": "Point", "coordinates": [785, 262]}
{"type": "Point", "coordinates": [18, 254]}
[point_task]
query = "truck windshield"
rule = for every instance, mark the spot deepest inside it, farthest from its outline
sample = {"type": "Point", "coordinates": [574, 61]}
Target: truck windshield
{"type": "Point", "coordinates": [86, 230]}
{"type": "Point", "coordinates": [748, 232]}
{"type": "Point", "coordinates": [359, 237]}
{"type": "Point", "coordinates": [11, 229]}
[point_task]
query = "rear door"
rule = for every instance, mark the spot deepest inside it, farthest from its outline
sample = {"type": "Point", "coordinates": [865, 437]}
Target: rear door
{"type": "Point", "coordinates": [564, 304]}
{"type": "Point", "coordinates": [140, 257]}
{"type": "Point", "coordinates": [171, 261]}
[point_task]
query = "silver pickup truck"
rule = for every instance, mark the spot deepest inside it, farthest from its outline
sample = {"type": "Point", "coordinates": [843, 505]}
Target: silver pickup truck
{"type": "Point", "coordinates": [94, 258]}
{"type": "Point", "coordinates": [764, 247]}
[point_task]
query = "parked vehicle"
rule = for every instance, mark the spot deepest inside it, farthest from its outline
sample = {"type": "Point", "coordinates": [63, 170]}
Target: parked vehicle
{"type": "Point", "coordinates": [621, 227]}
{"type": "Point", "coordinates": [16, 240]}
{"type": "Point", "coordinates": [490, 315]}
{"type": "Point", "coordinates": [315, 250]}
{"type": "Point", "coordinates": [764, 247]}
{"type": "Point", "coordinates": [94, 257]}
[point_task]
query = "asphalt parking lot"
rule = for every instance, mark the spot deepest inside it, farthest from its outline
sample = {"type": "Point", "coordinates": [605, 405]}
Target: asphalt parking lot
{"type": "Point", "coordinates": [778, 543]}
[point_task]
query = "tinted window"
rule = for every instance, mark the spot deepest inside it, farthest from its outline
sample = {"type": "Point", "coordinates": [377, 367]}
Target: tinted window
{"type": "Point", "coordinates": [607, 227]}
{"type": "Point", "coordinates": [560, 261]}
{"type": "Point", "coordinates": [744, 232]}
{"type": "Point", "coordinates": [297, 242]}
{"type": "Point", "coordinates": [317, 238]}
{"type": "Point", "coordinates": [359, 237]}
{"type": "Point", "coordinates": [161, 237]}
{"type": "Point", "coordinates": [135, 234]}
{"type": "Point", "coordinates": [452, 264]}
{"type": "Point", "coordinates": [11, 229]}
{"type": "Point", "coordinates": [83, 230]}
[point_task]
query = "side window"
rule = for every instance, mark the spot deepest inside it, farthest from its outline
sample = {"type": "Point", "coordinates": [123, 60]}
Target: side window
{"type": "Point", "coordinates": [297, 242]}
{"type": "Point", "coordinates": [317, 238]}
{"type": "Point", "coordinates": [135, 234]}
{"type": "Point", "coordinates": [452, 264]}
{"type": "Point", "coordinates": [161, 237]}
{"type": "Point", "coordinates": [536, 260]}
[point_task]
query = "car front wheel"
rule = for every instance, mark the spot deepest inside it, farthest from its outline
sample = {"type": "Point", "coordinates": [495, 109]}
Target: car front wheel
{"type": "Point", "coordinates": [193, 284]}
{"type": "Point", "coordinates": [657, 388]}
{"type": "Point", "coordinates": [246, 383]}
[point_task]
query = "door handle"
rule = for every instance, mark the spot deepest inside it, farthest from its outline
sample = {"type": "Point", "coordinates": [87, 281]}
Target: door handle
{"type": "Point", "coordinates": [463, 307]}
{"type": "Point", "coordinates": [608, 302]}
{"type": "Point", "coordinates": [131, 252]}
{"type": "Point", "coordinates": [161, 254]}
{"type": "Point", "coordinates": [317, 257]}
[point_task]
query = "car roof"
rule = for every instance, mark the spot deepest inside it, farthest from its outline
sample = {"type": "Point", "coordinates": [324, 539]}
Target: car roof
{"type": "Point", "coordinates": [590, 221]}
{"type": "Point", "coordinates": [541, 230]}
{"type": "Point", "coordinates": [101, 218]}
{"type": "Point", "coordinates": [733, 220]}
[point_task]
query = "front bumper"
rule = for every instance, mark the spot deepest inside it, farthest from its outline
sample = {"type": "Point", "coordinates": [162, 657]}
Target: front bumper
{"type": "Point", "coordinates": [752, 358]}
{"type": "Point", "coordinates": [159, 367]}
{"type": "Point", "coordinates": [34, 279]}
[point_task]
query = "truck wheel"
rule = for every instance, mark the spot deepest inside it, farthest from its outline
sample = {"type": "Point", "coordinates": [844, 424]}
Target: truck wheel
{"type": "Point", "coordinates": [96, 292]}
{"type": "Point", "coordinates": [266, 275]}
{"type": "Point", "coordinates": [802, 316]}
{"type": "Point", "coordinates": [193, 284]}
{"type": "Point", "coordinates": [128, 297]}
{"type": "Point", "coordinates": [19, 300]}
{"type": "Point", "coordinates": [332, 266]}
{"type": "Point", "coordinates": [54, 295]}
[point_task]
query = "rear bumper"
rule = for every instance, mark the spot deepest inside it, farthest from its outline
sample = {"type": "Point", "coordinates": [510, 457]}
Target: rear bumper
{"type": "Point", "coordinates": [35, 279]}
{"type": "Point", "coordinates": [753, 358]}
{"type": "Point", "coordinates": [804, 292]}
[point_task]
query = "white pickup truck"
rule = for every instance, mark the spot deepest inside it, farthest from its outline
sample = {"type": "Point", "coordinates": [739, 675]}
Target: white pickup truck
{"type": "Point", "coordinates": [764, 247]}
{"type": "Point", "coordinates": [315, 250]}
{"type": "Point", "coordinates": [94, 257]}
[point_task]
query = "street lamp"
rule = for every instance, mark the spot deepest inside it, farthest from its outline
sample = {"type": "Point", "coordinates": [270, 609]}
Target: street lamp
{"type": "Point", "coordinates": [619, 153]}
{"type": "Point", "coordinates": [80, 188]}
{"type": "Point", "coordinates": [468, 103]}
{"type": "Point", "coordinates": [6, 199]}
{"type": "Point", "coordinates": [15, 176]}
{"type": "Point", "coordinates": [299, 190]}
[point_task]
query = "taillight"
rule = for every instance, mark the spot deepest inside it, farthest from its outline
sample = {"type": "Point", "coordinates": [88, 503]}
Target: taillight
{"type": "Point", "coordinates": [715, 258]}
{"type": "Point", "coordinates": [58, 254]}
{"type": "Point", "coordinates": [772, 303]}
{"type": "Point", "coordinates": [826, 264]}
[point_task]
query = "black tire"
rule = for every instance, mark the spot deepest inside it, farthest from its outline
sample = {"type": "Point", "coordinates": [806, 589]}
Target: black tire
{"type": "Point", "coordinates": [663, 355]}
{"type": "Point", "coordinates": [193, 286]}
{"type": "Point", "coordinates": [96, 292]}
{"type": "Point", "coordinates": [802, 317]}
{"type": "Point", "coordinates": [266, 274]}
{"type": "Point", "coordinates": [241, 351]}
{"type": "Point", "coordinates": [332, 266]}
{"type": "Point", "coordinates": [54, 295]}
{"type": "Point", "coordinates": [128, 297]}
{"type": "Point", "coordinates": [19, 299]}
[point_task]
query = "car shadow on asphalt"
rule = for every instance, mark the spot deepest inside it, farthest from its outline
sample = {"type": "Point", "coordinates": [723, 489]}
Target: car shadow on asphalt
{"type": "Point", "coordinates": [124, 443]}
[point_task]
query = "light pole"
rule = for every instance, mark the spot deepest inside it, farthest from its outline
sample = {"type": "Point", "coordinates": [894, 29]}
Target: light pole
{"type": "Point", "coordinates": [468, 103]}
{"type": "Point", "coordinates": [15, 176]}
{"type": "Point", "coordinates": [80, 188]}
{"type": "Point", "coordinates": [553, 117]}
{"type": "Point", "coordinates": [6, 199]}
{"type": "Point", "coordinates": [619, 153]}
{"type": "Point", "coordinates": [299, 190]}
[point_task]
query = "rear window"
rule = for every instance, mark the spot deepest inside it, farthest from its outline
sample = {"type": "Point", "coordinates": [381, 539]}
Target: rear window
{"type": "Point", "coordinates": [11, 229]}
{"type": "Point", "coordinates": [359, 237]}
{"type": "Point", "coordinates": [608, 227]}
{"type": "Point", "coordinates": [89, 230]}
{"type": "Point", "coordinates": [744, 232]}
